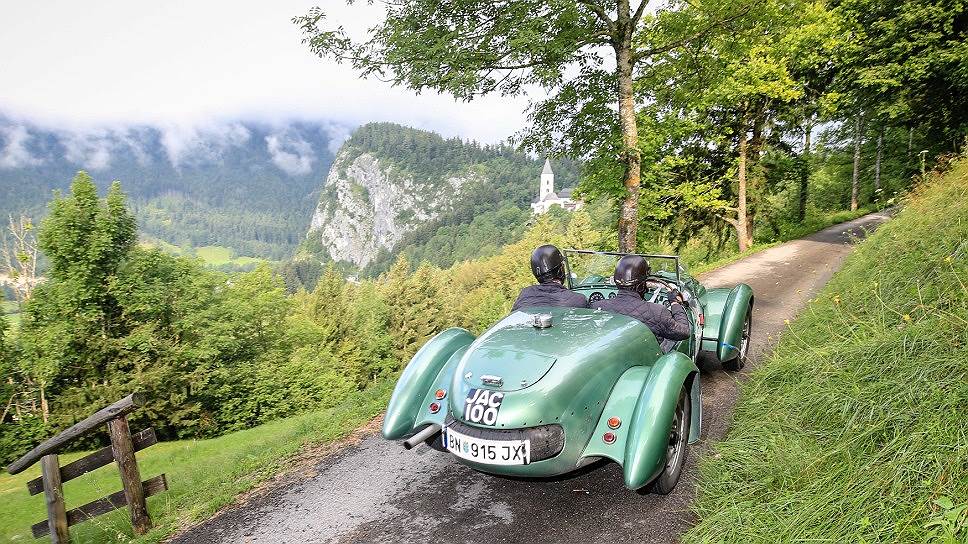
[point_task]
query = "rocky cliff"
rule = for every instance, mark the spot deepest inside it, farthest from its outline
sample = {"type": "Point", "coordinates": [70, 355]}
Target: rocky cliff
{"type": "Point", "coordinates": [368, 205]}
{"type": "Point", "coordinates": [394, 189]}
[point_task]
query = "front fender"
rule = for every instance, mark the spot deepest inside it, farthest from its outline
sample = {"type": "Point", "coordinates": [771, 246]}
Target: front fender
{"type": "Point", "coordinates": [644, 398]}
{"type": "Point", "coordinates": [739, 302]}
{"type": "Point", "coordinates": [417, 378]}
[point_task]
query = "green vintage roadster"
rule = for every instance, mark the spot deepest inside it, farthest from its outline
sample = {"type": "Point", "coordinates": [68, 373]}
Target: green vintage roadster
{"type": "Point", "coordinates": [546, 391]}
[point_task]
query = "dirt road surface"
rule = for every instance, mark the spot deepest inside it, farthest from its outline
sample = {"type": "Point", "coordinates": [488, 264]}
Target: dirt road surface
{"type": "Point", "coordinates": [374, 491]}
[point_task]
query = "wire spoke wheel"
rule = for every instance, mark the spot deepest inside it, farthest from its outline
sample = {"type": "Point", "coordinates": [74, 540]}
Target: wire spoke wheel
{"type": "Point", "coordinates": [677, 446]}
{"type": "Point", "coordinates": [737, 363]}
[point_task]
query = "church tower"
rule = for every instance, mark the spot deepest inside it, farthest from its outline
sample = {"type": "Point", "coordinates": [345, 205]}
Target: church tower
{"type": "Point", "coordinates": [547, 181]}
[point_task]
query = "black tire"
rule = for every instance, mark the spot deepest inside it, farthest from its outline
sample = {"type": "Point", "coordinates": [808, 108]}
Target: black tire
{"type": "Point", "coordinates": [677, 448]}
{"type": "Point", "coordinates": [737, 363]}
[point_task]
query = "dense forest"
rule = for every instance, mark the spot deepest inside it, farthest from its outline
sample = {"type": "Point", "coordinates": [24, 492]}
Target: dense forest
{"type": "Point", "coordinates": [246, 186]}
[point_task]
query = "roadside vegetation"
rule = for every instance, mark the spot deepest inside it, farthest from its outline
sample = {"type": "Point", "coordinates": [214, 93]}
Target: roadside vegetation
{"type": "Point", "coordinates": [854, 430]}
{"type": "Point", "coordinates": [224, 357]}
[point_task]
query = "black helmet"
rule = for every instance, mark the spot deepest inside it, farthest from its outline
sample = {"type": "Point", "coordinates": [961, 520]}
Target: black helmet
{"type": "Point", "coordinates": [630, 273]}
{"type": "Point", "coordinates": [547, 263]}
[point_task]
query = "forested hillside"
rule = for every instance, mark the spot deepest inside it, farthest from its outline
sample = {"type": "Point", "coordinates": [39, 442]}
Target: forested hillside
{"type": "Point", "coordinates": [246, 186]}
{"type": "Point", "coordinates": [398, 190]}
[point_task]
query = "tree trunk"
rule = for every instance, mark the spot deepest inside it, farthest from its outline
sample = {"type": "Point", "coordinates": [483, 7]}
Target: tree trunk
{"type": "Point", "coordinates": [628, 220]}
{"type": "Point", "coordinates": [742, 228]}
{"type": "Point", "coordinates": [804, 173]}
{"type": "Point", "coordinates": [877, 164]}
{"type": "Point", "coordinates": [44, 410]}
{"type": "Point", "coordinates": [855, 179]}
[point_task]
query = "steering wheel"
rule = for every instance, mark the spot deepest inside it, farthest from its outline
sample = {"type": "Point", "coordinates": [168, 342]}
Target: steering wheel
{"type": "Point", "coordinates": [660, 286]}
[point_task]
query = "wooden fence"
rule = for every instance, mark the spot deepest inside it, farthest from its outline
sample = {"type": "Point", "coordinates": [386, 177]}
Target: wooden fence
{"type": "Point", "coordinates": [122, 448]}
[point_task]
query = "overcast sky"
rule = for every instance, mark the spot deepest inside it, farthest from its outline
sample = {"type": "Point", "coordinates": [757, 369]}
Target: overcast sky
{"type": "Point", "coordinates": [74, 64]}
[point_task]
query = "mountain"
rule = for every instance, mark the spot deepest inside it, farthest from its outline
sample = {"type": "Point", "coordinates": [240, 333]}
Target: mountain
{"type": "Point", "coordinates": [394, 189]}
{"type": "Point", "coordinates": [248, 186]}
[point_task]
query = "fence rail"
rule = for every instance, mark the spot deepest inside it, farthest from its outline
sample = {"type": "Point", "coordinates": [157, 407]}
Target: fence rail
{"type": "Point", "coordinates": [123, 446]}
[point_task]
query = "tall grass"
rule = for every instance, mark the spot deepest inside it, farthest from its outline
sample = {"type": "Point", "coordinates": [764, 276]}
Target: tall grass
{"type": "Point", "coordinates": [855, 430]}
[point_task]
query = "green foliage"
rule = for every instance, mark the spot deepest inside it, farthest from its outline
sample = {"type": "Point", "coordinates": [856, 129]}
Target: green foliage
{"type": "Point", "coordinates": [866, 393]}
{"type": "Point", "coordinates": [905, 64]}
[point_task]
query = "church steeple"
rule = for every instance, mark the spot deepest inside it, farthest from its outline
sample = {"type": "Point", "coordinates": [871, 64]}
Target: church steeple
{"type": "Point", "coordinates": [547, 181]}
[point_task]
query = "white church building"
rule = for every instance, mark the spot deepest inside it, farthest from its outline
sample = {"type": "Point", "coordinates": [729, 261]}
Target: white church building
{"type": "Point", "coordinates": [547, 197]}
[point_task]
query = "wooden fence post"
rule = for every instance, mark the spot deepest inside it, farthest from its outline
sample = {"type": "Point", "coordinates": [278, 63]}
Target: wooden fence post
{"type": "Point", "coordinates": [54, 493]}
{"type": "Point", "coordinates": [134, 492]}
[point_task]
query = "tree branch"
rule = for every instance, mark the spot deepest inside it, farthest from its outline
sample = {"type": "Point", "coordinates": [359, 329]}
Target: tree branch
{"type": "Point", "coordinates": [602, 15]}
{"type": "Point", "coordinates": [639, 55]}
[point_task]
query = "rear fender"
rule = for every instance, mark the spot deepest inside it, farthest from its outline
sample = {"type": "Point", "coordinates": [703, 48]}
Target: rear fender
{"type": "Point", "coordinates": [738, 303]}
{"type": "Point", "coordinates": [417, 379]}
{"type": "Point", "coordinates": [644, 399]}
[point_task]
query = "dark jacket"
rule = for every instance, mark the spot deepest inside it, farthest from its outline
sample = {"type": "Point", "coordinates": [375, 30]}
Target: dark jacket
{"type": "Point", "coordinates": [549, 294]}
{"type": "Point", "coordinates": [665, 325]}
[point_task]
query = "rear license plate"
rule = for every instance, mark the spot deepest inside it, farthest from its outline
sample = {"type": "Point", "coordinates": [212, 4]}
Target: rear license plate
{"type": "Point", "coordinates": [488, 452]}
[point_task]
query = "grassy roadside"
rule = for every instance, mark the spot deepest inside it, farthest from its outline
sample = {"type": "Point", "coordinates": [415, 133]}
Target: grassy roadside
{"type": "Point", "coordinates": [203, 475]}
{"type": "Point", "coordinates": [854, 430]}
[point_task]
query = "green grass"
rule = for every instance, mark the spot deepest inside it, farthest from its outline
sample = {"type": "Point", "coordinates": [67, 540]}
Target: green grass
{"type": "Point", "coordinates": [854, 430]}
{"type": "Point", "coordinates": [203, 475]}
{"type": "Point", "coordinates": [212, 255]}
{"type": "Point", "coordinates": [218, 255]}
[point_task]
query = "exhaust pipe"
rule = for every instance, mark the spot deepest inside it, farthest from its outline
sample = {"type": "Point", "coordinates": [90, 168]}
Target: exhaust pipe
{"type": "Point", "coordinates": [429, 432]}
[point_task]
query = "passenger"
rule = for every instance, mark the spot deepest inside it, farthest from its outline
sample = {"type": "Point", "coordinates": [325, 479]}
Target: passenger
{"type": "Point", "coordinates": [630, 275]}
{"type": "Point", "coordinates": [548, 266]}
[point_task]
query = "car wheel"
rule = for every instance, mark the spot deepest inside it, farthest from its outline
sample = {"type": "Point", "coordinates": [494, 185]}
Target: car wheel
{"type": "Point", "coordinates": [677, 447]}
{"type": "Point", "coordinates": [737, 363]}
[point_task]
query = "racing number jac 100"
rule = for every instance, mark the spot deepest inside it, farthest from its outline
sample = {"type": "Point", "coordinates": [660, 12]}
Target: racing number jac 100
{"type": "Point", "coordinates": [546, 391]}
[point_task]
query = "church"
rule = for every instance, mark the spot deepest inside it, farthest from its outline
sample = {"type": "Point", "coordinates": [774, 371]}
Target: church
{"type": "Point", "coordinates": [547, 197]}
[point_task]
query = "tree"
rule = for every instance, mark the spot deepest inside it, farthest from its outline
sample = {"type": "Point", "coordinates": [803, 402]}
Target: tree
{"type": "Point", "coordinates": [904, 64]}
{"type": "Point", "coordinates": [70, 318]}
{"type": "Point", "coordinates": [471, 48]}
{"type": "Point", "coordinates": [741, 91]}
{"type": "Point", "coordinates": [20, 254]}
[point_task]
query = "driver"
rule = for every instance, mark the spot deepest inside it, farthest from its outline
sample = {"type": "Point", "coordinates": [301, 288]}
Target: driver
{"type": "Point", "coordinates": [548, 267]}
{"type": "Point", "coordinates": [668, 326]}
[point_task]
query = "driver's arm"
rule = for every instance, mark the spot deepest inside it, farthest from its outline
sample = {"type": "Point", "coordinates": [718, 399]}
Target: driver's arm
{"type": "Point", "coordinates": [674, 325]}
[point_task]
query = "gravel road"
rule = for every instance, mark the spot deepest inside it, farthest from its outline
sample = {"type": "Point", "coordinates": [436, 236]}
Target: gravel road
{"type": "Point", "coordinates": [374, 491]}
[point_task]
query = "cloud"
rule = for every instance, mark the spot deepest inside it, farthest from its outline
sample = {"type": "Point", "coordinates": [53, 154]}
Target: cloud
{"type": "Point", "coordinates": [69, 64]}
{"type": "Point", "coordinates": [338, 134]}
{"type": "Point", "coordinates": [290, 153]}
{"type": "Point", "coordinates": [90, 150]}
{"type": "Point", "coordinates": [188, 143]}
{"type": "Point", "coordinates": [14, 152]}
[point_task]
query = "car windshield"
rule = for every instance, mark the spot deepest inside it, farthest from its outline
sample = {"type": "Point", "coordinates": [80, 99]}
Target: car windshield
{"type": "Point", "coordinates": [587, 268]}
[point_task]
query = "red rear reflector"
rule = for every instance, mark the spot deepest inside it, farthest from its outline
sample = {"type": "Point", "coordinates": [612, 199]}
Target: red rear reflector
{"type": "Point", "coordinates": [434, 407]}
{"type": "Point", "coordinates": [440, 394]}
{"type": "Point", "coordinates": [702, 319]}
{"type": "Point", "coordinates": [609, 438]}
{"type": "Point", "coordinates": [614, 422]}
